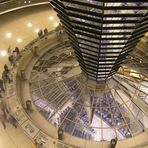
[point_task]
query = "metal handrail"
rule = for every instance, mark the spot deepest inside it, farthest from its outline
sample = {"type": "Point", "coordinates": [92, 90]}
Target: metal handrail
{"type": "Point", "coordinates": [12, 5]}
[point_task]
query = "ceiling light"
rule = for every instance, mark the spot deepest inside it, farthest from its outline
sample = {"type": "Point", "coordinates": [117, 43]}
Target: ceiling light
{"type": "Point", "coordinates": [59, 69]}
{"type": "Point", "coordinates": [51, 18]}
{"type": "Point", "coordinates": [25, 2]}
{"type": "Point", "coordinates": [8, 35]}
{"type": "Point", "coordinates": [56, 24]}
{"type": "Point", "coordinates": [19, 40]}
{"type": "Point", "coordinates": [3, 53]}
{"type": "Point", "coordinates": [29, 1]}
{"type": "Point", "coordinates": [37, 30]}
{"type": "Point", "coordinates": [29, 24]}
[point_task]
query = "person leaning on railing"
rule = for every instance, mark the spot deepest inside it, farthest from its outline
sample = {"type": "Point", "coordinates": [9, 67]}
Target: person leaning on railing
{"type": "Point", "coordinates": [45, 33]}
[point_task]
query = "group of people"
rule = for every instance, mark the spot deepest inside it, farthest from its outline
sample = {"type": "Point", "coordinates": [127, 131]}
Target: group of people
{"type": "Point", "coordinates": [42, 33]}
{"type": "Point", "coordinates": [13, 57]}
{"type": "Point", "coordinates": [5, 115]}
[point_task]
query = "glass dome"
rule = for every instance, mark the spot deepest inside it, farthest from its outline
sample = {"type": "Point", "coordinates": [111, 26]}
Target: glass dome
{"type": "Point", "coordinates": [64, 96]}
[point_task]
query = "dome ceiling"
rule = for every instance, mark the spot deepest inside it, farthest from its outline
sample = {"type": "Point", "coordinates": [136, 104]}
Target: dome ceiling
{"type": "Point", "coordinates": [62, 94]}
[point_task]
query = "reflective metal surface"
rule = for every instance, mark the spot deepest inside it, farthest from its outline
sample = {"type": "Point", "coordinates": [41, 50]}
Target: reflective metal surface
{"type": "Point", "coordinates": [102, 32]}
{"type": "Point", "coordinates": [60, 92]}
{"type": "Point", "coordinates": [10, 5]}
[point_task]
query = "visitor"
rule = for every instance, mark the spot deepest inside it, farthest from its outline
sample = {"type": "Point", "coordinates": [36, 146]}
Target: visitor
{"type": "Point", "coordinates": [45, 33]}
{"type": "Point", "coordinates": [2, 85]}
{"type": "Point", "coordinates": [17, 50]}
{"type": "Point", "coordinates": [12, 60]}
{"type": "Point", "coordinates": [6, 77]}
{"type": "Point", "coordinates": [40, 33]}
{"type": "Point", "coordinates": [3, 116]}
{"type": "Point", "coordinates": [9, 50]}
{"type": "Point", "coordinates": [4, 109]}
{"type": "Point", "coordinates": [6, 68]}
{"type": "Point", "coordinates": [2, 119]}
{"type": "Point", "coordinates": [0, 93]}
{"type": "Point", "coordinates": [13, 121]}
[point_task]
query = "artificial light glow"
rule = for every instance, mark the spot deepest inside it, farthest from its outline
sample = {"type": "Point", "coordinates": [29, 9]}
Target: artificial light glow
{"type": "Point", "coordinates": [58, 69]}
{"type": "Point", "coordinates": [19, 40]}
{"type": "Point", "coordinates": [29, 24]}
{"type": "Point", "coordinates": [8, 35]}
{"type": "Point", "coordinates": [51, 18]}
{"type": "Point", "coordinates": [37, 30]}
{"type": "Point", "coordinates": [3, 53]}
{"type": "Point", "coordinates": [56, 24]}
{"type": "Point", "coordinates": [134, 73]}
